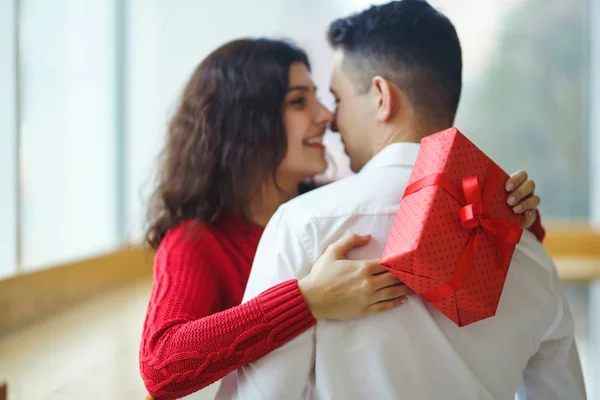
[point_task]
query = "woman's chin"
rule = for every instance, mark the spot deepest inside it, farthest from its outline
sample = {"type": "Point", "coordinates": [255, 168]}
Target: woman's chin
{"type": "Point", "coordinates": [319, 168]}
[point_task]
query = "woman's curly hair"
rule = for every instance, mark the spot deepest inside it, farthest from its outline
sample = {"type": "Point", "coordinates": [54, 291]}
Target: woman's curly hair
{"type": "Point", "coordinates": [226, 137]}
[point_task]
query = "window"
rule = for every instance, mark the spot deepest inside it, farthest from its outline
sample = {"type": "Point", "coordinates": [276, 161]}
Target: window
{"type": "Point", "coordinates": [8, 137]}
{"type": "Point", "coordinates": [525, 94]}
{"type": "Point", "coordinates": [67, 126]}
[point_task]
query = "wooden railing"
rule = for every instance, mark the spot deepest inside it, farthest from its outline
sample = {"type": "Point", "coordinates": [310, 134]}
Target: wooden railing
{"type": "Point", "coordinates": [30, 297]}
{"type": "Point", "coordinates": [572, 241]}
{"type": "Point", "coordinates": [576, 251]}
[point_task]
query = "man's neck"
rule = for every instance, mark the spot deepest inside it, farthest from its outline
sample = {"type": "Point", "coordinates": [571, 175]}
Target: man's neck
{"type": "Point", "coordinates": [407, 133]}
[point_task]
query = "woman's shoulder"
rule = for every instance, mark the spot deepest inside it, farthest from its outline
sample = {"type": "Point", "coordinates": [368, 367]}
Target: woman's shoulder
{"type": "Point", "coordinates": [189, 249]}
{"type": "Point", "coordinates": [193, 236]}
{"type": "Point", "coordinates": [188, 235]}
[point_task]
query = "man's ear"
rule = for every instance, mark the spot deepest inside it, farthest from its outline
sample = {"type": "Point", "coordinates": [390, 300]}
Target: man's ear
{"type": "Point", "coordinates": [384, 98]}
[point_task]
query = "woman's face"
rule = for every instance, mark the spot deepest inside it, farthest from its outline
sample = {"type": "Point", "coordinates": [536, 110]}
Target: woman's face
{"type": "Point", "coordinates": [305, 120]}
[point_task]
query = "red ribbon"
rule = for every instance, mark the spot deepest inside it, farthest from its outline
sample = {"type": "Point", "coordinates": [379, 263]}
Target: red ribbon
{"type": "Point", "coordinates": [472, 216]}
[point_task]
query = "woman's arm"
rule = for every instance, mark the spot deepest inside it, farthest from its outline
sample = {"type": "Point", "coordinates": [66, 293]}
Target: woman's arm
{"type": "Point", "coordinates": [188, 343]}
{"type": "Point", "coordinates": [187, 352]}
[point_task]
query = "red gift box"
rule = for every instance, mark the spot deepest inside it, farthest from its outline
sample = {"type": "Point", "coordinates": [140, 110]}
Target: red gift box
{"type": "Point", "coordinates": [454, 235]}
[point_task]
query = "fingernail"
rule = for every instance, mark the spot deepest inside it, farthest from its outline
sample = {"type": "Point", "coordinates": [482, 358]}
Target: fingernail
{"type": "Point", "coordinates": [512, 200]}
{"type": "Point", "coordinates": [518, 209]}
{"type": "Point", "coordinates": [403, 300]}
{"type": "Point", "coordinates": [529, 213]}
{"type": "Point", "coordinates": [365, 235]}
{"type": "Point", "coordinates": [510, 187]}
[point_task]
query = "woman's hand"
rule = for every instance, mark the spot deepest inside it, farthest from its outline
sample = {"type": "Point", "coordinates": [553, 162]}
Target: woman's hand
{"type": "Point", "coordinates": [521, 197]}
{"type": "Point", "coordinates": [338, 288]}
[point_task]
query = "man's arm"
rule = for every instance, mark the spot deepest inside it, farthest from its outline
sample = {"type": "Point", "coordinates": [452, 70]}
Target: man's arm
{"type": "Point", "coordinates": [554, 372]}
{"type": "Point", "coordinates": [281, 255]}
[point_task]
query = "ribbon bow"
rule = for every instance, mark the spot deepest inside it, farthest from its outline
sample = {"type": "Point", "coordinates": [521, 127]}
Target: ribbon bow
{"type": "Point", "coordinates": [475, 202]}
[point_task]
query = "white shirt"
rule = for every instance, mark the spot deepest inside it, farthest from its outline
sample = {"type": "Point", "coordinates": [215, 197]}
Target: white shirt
{"type": "Point", "coordinates": [413, 351]}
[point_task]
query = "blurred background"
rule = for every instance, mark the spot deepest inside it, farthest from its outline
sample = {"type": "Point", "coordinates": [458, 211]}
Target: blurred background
{"type": "Point", "coordinates": [86, 90]}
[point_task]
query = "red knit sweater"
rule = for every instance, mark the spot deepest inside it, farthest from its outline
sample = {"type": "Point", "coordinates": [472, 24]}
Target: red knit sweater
{"type": "Point", "coordinates": [196, 331]}
{"type": "Point", "coordinates": [189, 341]}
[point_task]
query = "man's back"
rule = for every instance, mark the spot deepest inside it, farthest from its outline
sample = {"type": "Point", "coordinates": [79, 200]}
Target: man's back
{"type": "Point", "coordinates": [413, 351]}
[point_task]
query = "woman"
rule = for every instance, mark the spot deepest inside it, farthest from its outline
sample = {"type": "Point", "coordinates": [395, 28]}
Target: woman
{"type": "Point", "coordinates": [242, 140]}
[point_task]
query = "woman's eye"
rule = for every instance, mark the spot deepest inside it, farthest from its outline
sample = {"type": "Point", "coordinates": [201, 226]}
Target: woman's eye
{"type": "Point", "coordinates": [301, 101]}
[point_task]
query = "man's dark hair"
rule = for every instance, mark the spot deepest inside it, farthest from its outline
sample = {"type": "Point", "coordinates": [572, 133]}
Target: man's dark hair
{"type": "Point", "coordinates": [409, 43]}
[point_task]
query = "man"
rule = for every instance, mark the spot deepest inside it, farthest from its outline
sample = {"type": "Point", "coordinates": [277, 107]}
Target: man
{"type": "Point", "coordinates": [397, 78]}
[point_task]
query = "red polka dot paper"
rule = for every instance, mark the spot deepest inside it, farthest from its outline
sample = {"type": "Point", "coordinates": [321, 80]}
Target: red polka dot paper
{"type": "Point", "coordinates": [427, 238]}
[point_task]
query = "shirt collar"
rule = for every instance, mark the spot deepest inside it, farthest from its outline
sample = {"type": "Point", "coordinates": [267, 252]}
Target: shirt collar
{"type": "Point", "coordinates": [395, 154]}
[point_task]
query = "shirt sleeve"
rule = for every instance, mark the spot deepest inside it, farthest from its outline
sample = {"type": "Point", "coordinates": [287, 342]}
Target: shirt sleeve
{"type": "Point", "coordinates": [554, 371]}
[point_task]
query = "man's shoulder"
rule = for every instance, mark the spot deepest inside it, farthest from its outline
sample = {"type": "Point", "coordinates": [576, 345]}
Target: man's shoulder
{"type": "Point", "coordinates": [337, 198]}
{"type": "Point", "coordinates": [323, 192]}
{"type": "Point", "coordinates": [369, 192]}
{"type": "Point", "coordinates": [532, 278]}
{"type": "Point", "coordinates": [530, 249]}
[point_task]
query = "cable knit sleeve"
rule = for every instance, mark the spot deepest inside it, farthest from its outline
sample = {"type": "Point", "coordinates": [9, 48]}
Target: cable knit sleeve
{"type": "Point", "coordinates": [189, 343]}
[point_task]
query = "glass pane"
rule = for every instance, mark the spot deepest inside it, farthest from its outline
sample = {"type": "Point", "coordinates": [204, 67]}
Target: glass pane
{"type": "Point", "coordinates": [68, 130]}
{"type": "Point", "coordinates": [8, 159]}
{"type": "Point", "coordinates": [594, 97]}
{"type": "Point", "coordinates": [146, 121]}
{"type": "Point", "coordinates": [525, 93]}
